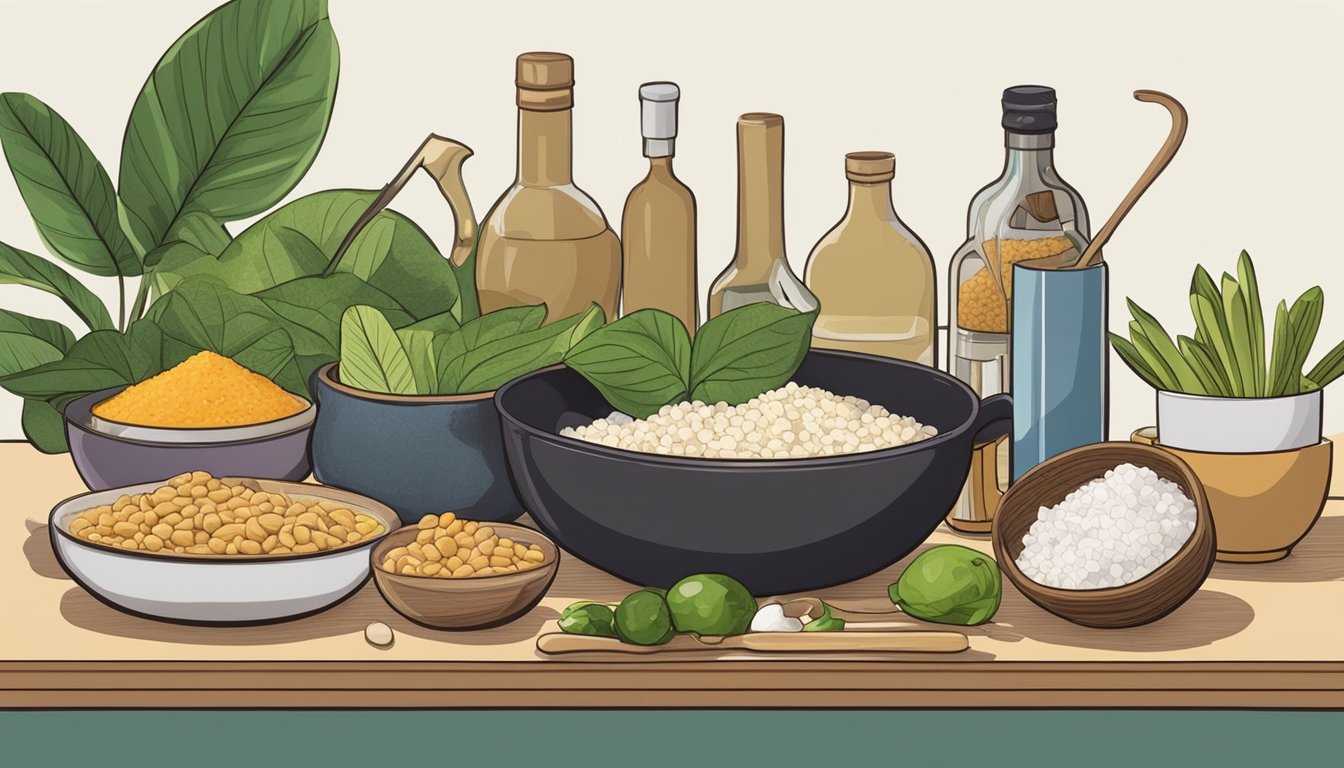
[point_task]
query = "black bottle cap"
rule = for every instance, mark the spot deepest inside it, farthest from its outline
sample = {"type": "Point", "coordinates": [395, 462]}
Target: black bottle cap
{"type": "Point", "coordinates": [1029, 109]}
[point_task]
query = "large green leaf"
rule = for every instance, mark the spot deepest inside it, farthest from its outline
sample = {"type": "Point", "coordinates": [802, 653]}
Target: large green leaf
{"type": "Point", "coordinates": [27, 342]}
{"type": "Point", "coordinates": [99, 360]}
{"type": "Point", "coordinates": [466, 368]}
{"type": "Point", "coordinates": [22, 268]}
{"type": "Point", "coordinates": [68, 194]}
{"type": "Point", "coordinates": [639, 363]}
{"type": "Point", "coordinates": [747, 351]}
{"type": "Point", "coordinates": [308, 310]}
{"type": "Point", "coordinates": [372, 357]}
{"type": "Point", "coordinates": [298, 240]}
{"type": "Point", "coordinates": [231, 117]}
{"type": "Point", "coordinates": [1156, 335]}
{"type": "Point", "coordinates": [231, 324]}
{"type": "Point", "coordinates": [44, 426]}
{"type": "Point", "coordinates": [1255, 314]}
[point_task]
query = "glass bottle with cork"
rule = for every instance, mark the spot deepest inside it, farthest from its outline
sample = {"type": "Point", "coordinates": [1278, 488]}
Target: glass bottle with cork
{"type": "Point", "coordinates": [1028, 213]}
{"type": "Point", "coordinates": [658, 224]}
{"type": "Point", "coordinates": [873, 276]}
{"type": "Point", "coordinates": [546, 241]}
{"type": "Point", "coordinates": [760, 269]}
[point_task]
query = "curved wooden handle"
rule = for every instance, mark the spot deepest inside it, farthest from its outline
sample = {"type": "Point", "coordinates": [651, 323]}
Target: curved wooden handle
{"type": "Point", "coordinates": [1179, 120]}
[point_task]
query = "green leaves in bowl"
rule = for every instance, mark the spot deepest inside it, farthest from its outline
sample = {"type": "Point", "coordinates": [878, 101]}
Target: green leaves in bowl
{"type": "Point", "coordinates": [1227, 354]}
{"type": "Point", "coordinates": [646, 359]}
{"type": "Point", "coordinates": [436, 356]}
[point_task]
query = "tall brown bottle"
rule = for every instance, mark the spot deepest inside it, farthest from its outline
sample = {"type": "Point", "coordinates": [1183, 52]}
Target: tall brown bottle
{"type": "Point", "coordinates": [658, 225]}
{"type": "Point", "coordinates": [546, 241]}
{"type": "Point", "coordinates": [760, 269]}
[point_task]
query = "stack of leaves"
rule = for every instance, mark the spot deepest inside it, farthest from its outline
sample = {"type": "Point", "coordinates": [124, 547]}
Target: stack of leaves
{"type": "Point", "coordinates": [436, 356]}
{"type": "Point", "coordinates": [1227, 355]}
{"type": "Point", "coordinates": [226, 125]}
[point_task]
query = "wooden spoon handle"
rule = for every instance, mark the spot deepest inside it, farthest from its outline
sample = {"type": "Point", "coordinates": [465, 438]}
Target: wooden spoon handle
{"type": "Point", "coordinates": [883, 642]}
{"type": "Point", "coordinates": [1179, 121]}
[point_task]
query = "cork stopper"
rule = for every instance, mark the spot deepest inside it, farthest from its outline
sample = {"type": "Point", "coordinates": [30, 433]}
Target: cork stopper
{"type": "Point", "coordinates": [870, 167]}
{"type": "Point", "coordinates": [545, 81]}
{"type": "Point", "coordinates": [761, 119]}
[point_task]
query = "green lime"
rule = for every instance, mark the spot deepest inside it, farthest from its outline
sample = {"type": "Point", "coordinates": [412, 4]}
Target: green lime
{"type": "Point", "coordinates": [642, 618]}
{"type": "Point", "coordinates": [711, 604]}
{"type": "Point", "coordinates": [949, 584]}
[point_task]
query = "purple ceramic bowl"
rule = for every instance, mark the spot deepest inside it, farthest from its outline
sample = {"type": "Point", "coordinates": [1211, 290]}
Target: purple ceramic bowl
{"type": "Point", "coordinates": [107, 461]}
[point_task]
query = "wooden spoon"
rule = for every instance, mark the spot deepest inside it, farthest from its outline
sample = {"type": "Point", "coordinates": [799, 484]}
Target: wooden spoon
{"type": "Point", "coordinates": [1179, 121]}
{"type": "Point", "coordinates": [767, 642]}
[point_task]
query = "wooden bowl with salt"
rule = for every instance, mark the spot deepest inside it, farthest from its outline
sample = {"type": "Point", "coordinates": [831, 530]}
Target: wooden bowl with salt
{"type": "Point", "coordinates": [1143, 601]}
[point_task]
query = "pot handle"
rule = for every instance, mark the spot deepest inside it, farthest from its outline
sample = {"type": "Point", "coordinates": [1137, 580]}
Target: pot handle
{"type": "Point", "coordinates": [994, 421]}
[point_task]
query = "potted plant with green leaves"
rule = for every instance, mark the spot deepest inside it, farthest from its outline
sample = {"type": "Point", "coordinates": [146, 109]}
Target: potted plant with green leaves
{"type": "Point", "coordinates": [1234, 401]}
{"type": "Point", "coordinates": [407, 415]}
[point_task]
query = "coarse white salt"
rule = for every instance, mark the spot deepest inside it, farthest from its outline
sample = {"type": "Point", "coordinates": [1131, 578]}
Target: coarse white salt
{"type": "Point", "coordinates": [787, 423]}
{"type": "Point", "coordinates": [1110, 532]}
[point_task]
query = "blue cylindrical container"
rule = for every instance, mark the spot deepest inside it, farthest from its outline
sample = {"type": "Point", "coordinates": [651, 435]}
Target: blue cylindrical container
{"type": "Point", "coordinates": [1059, 354]}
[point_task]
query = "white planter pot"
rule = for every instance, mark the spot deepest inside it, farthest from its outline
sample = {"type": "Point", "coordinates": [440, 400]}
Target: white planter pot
{"type": "Point", "coordinates": [1239, 424]}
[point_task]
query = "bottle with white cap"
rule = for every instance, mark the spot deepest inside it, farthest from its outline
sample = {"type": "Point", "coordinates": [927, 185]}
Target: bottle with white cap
{"type": "Point", "coordinates": [658, 226]}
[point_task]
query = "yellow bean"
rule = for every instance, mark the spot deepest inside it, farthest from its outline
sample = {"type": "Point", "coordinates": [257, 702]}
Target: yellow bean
{"type": "Point", "coordinates": [446, 519]}
{"type": "Point", "coordinates": [230, 549]}
{"type": "Point", "coordinates": [253, 530]}
{"type": "Point", "coordinates": [431, 552]}
{"type": "Point", "coordinates": [250, 547]}
{"type": "Point", "coordinates": [353, 536]}
{"type": "Point", "coordinates": [501, 562]}
{"type": "Point", "coordinates": [453, 528]}
{"type": "Point", "coordinates": [220, 495]}
{"type": "Point", "coordinates": [200, 549]}
{"type": "Point", "coordinates": [180, 480]}
{"type": "Point", "coordinates": [287, 538]}
{"type": "Point", "coordinates": [308, 519]}
{"type": "Point", "coordinates": [463, 571]}
{"type": "Point", "coordinates": [172, 518]}
{"type": "Point", "coordinates": [390, 565]}
{"type": "Point", "coordinates": [425, 536]}
{"type": "Point", "coordinates": [464, 539]}
{"type": "Point", "coordinates": [185, 525]}
{"type": "Point", "coordinates": [506, 543]}
{"type": "Point", "coordinates": [470, 527]}
{"type": "Point", "coordinates": [183, 538]}
{"type": "Point", "coordinates": [271, 522]}
{"type": "Point", "coordinates": [136, 517]}
{"type": "Point", "coordinates": [129, 544]}
{"type": "Point", "coordinates": [106, 519]}
{"type": "Point", "coordinates": [153, 543]}
{"type": "Point", "coordinates": [429, 569]}
{"type": "Point", "coordinates": [211, 523]}
{"type": "Point", "coordinates": [218, 546]}
{"type": "Point", "coordinates": [309, 547]}
{"type": "Point", "coordinates": [338, 531]}
{"type": "Point", "coordinates": [426, 522]}
{"type": "Point", "coordinates": [302, 534]}
{"type": "Point", "coordinates": [270, 543]}
{"type": "Point", "coordinates": [125, 529]}
{"type": "Point", "coordinates": [201, 537]}
{"type": "Point", "coordinates": [534, 556]}
{"type": "Point", "coordinates": [366, 528]}
{"type": "Point", "coordinates": [79, 524]}
{"type": "Point", "coordinates": [229, 531]}
{"type": "Point", "coordinates": [478, 563]}
{"type": "Point", "coordinates": [519, 551]}
{"type": "Point", "coordinates": [487, 547]}
{"type": "Point", "coordinates": [347, 518]}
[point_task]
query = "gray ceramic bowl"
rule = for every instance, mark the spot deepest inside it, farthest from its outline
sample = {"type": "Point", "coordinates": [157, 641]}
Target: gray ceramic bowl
{"type": "Point", "coordinates": [418, 454]}
{"type": "Point", "coordinates": [110, 461]}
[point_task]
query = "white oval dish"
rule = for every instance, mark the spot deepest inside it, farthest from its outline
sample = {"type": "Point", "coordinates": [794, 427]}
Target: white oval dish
{"type": "Point", "coordinates": [200, 589]}
{"type": "Point", "coordinates": [202, 435]}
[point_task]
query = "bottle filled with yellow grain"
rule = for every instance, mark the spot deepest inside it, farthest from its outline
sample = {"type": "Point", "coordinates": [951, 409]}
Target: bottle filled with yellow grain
{"type": "Point", "coordinates": [872, 274]}
{"type": "Point", "coordinates": [546, 241]}
{"type": "Point", "coordinates": [1028, 213]}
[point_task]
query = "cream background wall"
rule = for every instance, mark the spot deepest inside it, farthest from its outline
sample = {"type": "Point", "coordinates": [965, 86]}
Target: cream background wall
{"type": "Point", "coordinates": [1259, 170]}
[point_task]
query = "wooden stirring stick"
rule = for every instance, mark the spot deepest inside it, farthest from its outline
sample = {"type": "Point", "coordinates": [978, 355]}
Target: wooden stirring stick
{"type": "Point", "coordinates": [1179, 120]}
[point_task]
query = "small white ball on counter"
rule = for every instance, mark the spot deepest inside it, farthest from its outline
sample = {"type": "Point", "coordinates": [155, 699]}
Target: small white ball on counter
{"type": "Point", "coordinates": [1110, 532]}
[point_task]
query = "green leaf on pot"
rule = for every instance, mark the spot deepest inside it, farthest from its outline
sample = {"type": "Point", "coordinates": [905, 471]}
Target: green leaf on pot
{"type": "Point", "coordinates": [419, 346]}
{"type": "Point", "coordinates": [372, 357]}
{"type": "Point", "coordinates": [68, 194]}
{"type": "Point", "coordinates": [1280, 362]}
{"type": "Point", "coordinates": [1240, 335]}
{"type": "Point", "coordinates": [490, 364]}
{"type": "Point", "coordinates": [1211, 375]}
{"type": "Point", "coordinates": [1134, 359]}
{"type": "Point", "coordinates": [22, 268]}
{"type": "Point", "coordinates": [231, 118]}
{"type": "Point", "coordinates": [747, 351]}
{"type": "Point", "coordinates": [444, 322]}
{"type": "Point", "coordinates": [1330, 367]}
{"type": "Point", "coordinates": [1250, 287]}
{"type": "Point", "coordinates": [311, 309]}
{"type": "Point", "coordinates": [1174, 364]}
{"type": "Point", "coordinates": [639, 363]}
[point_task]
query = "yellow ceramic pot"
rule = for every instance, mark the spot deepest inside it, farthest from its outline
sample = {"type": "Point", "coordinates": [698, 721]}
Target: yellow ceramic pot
{"type": "Point", "coordinates": [1263, 504]}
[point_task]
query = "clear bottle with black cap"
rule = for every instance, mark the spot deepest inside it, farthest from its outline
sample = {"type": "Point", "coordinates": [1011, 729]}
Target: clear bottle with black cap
{"type": "Point", "coordinates": [1028, 213]}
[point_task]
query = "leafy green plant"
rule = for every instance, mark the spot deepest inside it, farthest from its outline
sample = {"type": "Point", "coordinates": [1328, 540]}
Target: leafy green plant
{"type": "Point", "coordinates": [646, 359]}
{"type": "Point", "coordinates": [436, 356]}
{"type": "Point", "coordinates": [225, 126]}
{"type": "Point", "coordinates": [1227, 355]}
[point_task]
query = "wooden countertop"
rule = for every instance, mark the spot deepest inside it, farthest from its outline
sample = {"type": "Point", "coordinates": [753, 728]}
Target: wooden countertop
{"type": "Point", "coordinates": [1264, 636]}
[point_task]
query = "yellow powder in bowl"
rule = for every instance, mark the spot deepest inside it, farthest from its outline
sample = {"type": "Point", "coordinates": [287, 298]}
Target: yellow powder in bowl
{"type": "Point", "coordinates": [205, 390]}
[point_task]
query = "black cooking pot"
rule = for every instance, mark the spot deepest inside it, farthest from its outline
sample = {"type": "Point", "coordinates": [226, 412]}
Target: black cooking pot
{"type": "Point", "coordinates": [778, 526]}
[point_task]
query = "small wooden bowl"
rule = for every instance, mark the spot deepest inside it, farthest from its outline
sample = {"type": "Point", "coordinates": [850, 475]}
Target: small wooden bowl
{"type": "Point", "coordinates": [478, 602]}
{"type": "Point", "coordinates": [1146, 600]}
